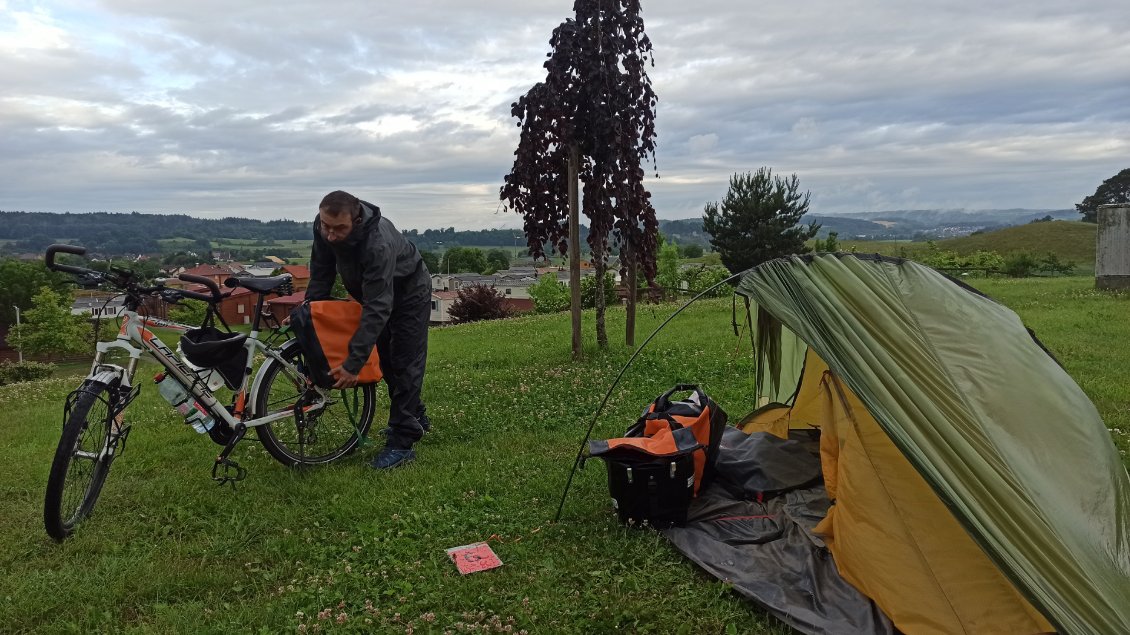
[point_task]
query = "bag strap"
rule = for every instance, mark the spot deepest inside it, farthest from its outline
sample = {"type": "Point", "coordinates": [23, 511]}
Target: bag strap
{"type": "Point", "coordinates": [351, 409]}
{"type": "Point", "coordinates": [663, 402]}
{"type": "Point", "coordinates": [637, 428]}
{"type": "Point", "coordinates": [655, 416]}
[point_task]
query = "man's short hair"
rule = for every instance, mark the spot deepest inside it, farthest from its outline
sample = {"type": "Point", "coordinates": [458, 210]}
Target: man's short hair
{"type": "Point", "coordinates": [338, 202]}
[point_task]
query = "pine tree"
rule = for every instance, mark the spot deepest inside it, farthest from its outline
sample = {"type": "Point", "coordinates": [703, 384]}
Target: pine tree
{"type": "Point", "coordinates": [758, 220]}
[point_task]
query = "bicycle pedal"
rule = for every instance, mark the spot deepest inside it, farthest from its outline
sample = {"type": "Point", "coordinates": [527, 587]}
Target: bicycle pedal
{"type": "Point", "coordinates": [225, 477]}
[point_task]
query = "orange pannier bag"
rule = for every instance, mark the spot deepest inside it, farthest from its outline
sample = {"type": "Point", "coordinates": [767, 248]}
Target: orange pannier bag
{"type": "Point", "coordinates": [664, 459]}
{"type": "Point", "coordinates": [324, 329]}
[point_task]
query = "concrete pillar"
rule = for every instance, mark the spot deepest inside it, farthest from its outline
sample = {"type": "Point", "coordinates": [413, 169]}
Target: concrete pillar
{"type": "Point", "coordinates": [1112, 247]}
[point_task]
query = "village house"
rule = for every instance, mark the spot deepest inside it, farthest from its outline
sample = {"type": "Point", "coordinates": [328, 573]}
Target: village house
{"type": "Point", "coordinates": [441, 304]}
{"type": "Point", "coordinates": [98, 305]}
{"type": "Point", "coordinates": [299, 276]}
{"type": "Point", "coordinates": [280, 308]}
{"type": "Point", "coordinates": [216, 273]}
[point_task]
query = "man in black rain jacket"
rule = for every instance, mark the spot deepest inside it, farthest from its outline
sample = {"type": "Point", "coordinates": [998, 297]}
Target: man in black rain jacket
{"type": "Point", "coordinates": [383, 271]}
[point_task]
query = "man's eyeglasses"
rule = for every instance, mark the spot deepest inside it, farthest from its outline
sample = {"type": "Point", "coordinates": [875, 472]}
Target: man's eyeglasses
{"type": "Point", "coordinates": [338, 229]}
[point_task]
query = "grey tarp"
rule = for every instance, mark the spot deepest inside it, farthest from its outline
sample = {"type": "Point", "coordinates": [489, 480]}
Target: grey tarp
{"type": "Point", "coordinates": [766, 549]}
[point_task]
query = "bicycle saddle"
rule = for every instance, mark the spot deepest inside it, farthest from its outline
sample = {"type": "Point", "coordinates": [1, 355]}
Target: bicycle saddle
{"type": "Point", "coordinates": [261, 285]}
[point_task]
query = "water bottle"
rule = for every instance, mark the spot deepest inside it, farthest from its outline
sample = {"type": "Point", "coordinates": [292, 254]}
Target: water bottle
{"type": "Point", "coordinates": [178, 397]}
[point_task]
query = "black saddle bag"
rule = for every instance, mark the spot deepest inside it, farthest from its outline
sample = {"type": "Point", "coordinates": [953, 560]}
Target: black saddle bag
{"type": "Point", "coordinates": [652, 490]}
{"type": "Point", "coordinates": [663, 460]}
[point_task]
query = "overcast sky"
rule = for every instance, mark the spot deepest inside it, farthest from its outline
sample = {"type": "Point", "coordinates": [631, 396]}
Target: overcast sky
{"type": "Point", "coordinates": [257, 108]}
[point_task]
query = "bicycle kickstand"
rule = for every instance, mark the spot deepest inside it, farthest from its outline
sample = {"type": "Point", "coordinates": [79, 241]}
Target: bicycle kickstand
{"type": "Point", "coordinates": [228, 465]}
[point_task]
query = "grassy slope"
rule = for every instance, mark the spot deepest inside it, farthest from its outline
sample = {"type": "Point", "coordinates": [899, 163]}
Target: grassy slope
{"type": "Point", "coordinates": [1071, 241]}
{"type": "Point", "coordinates": [168, 551]}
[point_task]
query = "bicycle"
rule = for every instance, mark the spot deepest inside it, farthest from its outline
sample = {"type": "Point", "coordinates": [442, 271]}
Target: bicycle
{"type": "Point", "coordinates": [298, 422]}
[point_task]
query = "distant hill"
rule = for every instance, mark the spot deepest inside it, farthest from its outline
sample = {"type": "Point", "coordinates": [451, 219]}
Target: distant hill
{"type": "Point", "coordinates": [932, 223]}
{"type": "Point", "coordinates": [1072, 241]}
{"type": "Point", "coordinates": [134, 233]}
{"type": "Point", "coordinates": [920, 224]}
{"type": "Point", "coordinates": [846, 226]}
{"type": "Point", "coordinates": [110, 234]}
{"type": "Point", "coordinates": [687, 231]}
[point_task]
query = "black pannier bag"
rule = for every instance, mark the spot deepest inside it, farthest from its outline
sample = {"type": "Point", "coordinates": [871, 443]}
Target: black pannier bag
{"type": "Point", "coordinates": [663, 460]}
{"type": "Point", "coordinates": [209, 347]}
{"type": "Point", "coordinates": [654, 490]}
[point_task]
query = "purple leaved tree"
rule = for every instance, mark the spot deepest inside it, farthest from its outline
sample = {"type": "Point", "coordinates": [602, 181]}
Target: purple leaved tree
{"type": "Point", "coordinates": [592, 120]}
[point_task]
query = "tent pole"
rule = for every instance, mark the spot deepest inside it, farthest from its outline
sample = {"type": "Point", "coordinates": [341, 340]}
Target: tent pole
{"type": "Point", "coordinates": [581, 452]}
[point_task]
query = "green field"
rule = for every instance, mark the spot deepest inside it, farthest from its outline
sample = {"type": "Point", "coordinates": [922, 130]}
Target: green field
{"type": "Point", "coordinates": [168, 551]}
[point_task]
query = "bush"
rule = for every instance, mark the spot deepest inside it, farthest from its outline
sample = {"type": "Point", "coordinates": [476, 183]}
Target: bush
{"type": "Point", "coordinates": [549, 295]}
{"type": "Point", "coordinates": [700, 279]}
{"type": "Point", "coordinates": [588, 291]}
{"type": "Point", "coordinates": [667, 273]}
{"type": "Point", "coordinates": [978, 263]}
{"type": "Point", "coordinates": [478, 302]}
{"type": "Point", "coordinates": [830, 245]}
{"type": "Point", "coordinates": [16, 372]}
{"type": "Point", "coordinates": [1051, 264]}
{"type": "Point", "coordinates": [987, 260]}
{"type": "Point", "coordinates": [190, 312]}
{"type": "Point", "coordinates": [1020, 264]}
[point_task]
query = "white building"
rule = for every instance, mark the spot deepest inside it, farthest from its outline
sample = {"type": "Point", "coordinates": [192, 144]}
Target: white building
{"type": "Point", "coordinates": [441, 302]}
{"type": "Point", "coordinates": [98, 306]}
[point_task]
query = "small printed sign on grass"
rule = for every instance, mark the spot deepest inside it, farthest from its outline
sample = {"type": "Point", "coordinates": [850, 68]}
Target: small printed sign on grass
{"type": "Point", "coordinates": [474, 558]}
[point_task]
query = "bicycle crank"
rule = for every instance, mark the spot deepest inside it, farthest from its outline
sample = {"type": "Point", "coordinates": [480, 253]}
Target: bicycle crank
{"type": "Point", "coordinates": [225, 470]}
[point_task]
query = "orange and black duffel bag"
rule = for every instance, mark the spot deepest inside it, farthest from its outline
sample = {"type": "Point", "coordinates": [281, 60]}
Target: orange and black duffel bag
{"type": "Point", "coordinates": [324, 329]}
{"type": "Point", "coordinates": [664, 459]}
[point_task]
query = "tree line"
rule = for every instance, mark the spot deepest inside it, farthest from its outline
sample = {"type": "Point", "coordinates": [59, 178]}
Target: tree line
{"type": "Point", "coordinates": [111, 234]}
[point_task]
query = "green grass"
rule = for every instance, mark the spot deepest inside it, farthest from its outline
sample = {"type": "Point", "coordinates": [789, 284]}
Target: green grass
{"type": "Point", "coordinates": [168, 551]}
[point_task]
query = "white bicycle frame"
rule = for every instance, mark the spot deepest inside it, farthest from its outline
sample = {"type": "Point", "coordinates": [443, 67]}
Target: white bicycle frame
{"type": "Point", "coordinates": [134, 331]}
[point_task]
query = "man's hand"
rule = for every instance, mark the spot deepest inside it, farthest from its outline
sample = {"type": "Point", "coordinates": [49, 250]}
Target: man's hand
{"type": "Point", "coordinates": [343, 378]}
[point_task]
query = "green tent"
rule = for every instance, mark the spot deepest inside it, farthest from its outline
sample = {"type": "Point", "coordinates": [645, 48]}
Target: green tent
{"type": "Point", "coordinates": [973, 486]}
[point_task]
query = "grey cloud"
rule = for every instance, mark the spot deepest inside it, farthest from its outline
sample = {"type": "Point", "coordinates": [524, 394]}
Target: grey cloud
{"type": "Point", "coordinates": [257, 108]}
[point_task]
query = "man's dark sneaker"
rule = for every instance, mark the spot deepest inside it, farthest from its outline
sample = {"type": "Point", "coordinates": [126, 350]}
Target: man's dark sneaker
{"type": "Point", "coordinates": [389, 458]}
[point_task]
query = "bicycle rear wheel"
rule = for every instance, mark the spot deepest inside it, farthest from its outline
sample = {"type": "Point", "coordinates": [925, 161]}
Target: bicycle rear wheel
{"type": "Point", "coordinates": [82, 460]}
{"type": "Point", "coordinates": [326, 435]}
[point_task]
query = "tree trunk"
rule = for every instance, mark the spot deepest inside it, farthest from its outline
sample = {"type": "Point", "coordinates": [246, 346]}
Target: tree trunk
{"type": "Point", "coordinates": [601, 267]}
{"type": "Point", "coordinates": [575, 247]}
{"type": "Point", "coordinates": [630, 283]}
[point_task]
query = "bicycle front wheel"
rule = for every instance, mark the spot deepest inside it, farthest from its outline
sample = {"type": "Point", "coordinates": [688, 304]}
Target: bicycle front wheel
{"type": "Point", "coordinates": [326, 435]}
{"type": "Point", "coordinates": [82, 460]}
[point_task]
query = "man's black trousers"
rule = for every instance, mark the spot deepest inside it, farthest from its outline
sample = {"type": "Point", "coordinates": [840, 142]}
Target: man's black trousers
{"type": "Point", "coordinates": [403, 350]}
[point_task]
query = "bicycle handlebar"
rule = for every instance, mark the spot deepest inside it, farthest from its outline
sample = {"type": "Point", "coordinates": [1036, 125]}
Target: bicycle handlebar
{"type": "Point", "coordinates": [67, 249]}
{"type": "Point", "coordinates": [124, 278]}
{"type": "Point", "coordinates": [208, 282]}
{"type": "Point", "coordinates": [192, 295]}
